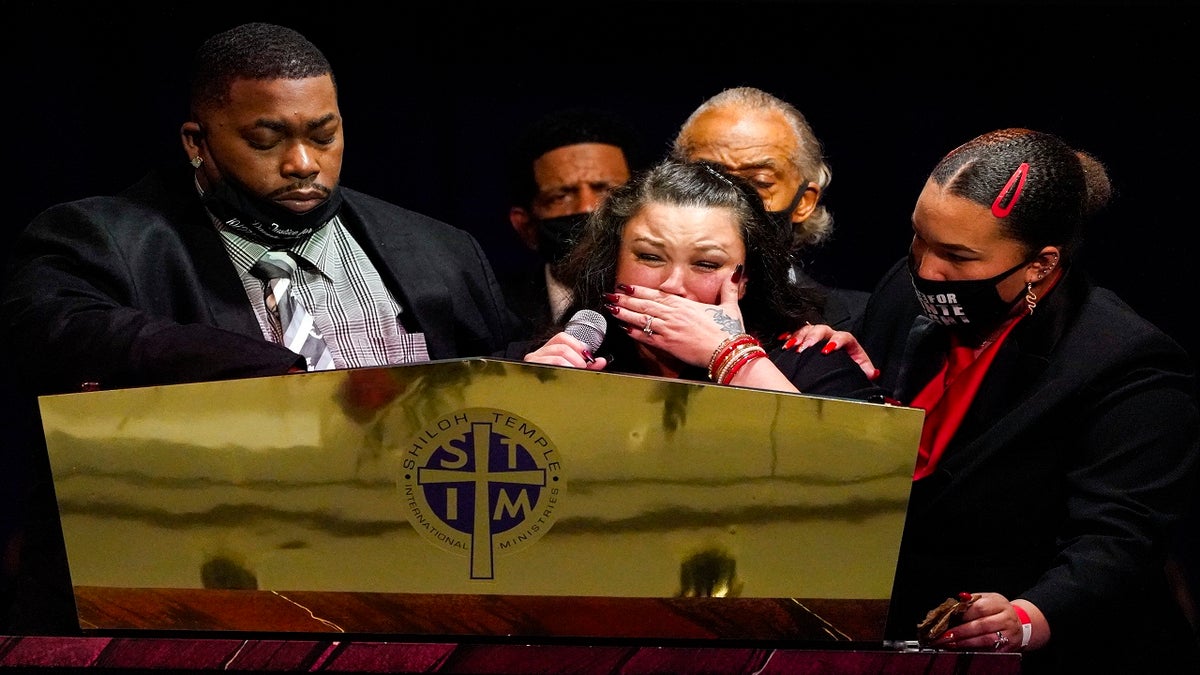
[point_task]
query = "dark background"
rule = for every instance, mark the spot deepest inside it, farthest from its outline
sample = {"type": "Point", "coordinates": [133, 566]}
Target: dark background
{"type": "Point", "coordinates": [433, 94]}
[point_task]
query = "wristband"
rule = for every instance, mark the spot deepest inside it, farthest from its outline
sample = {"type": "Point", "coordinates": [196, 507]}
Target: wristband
{"type": "Point", "coordinates": [1026, 625]}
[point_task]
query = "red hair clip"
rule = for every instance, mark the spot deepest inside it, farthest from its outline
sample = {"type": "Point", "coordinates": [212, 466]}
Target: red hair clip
{"type": "Point", "coordinates": [1001, 210]}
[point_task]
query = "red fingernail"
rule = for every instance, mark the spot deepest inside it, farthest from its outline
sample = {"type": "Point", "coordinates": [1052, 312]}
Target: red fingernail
{"type": "Point", "coordinates": [612, 309]}
{"type": "Point", "coordinates": [964, 596]}
{"type": "Point", "coordinates": [875, 375]}
{"type": "Point", "coordinates": [587, 356]}
{"type": "Point", "coordinates": [829, 348]}
{"type": "Point", "coordinates": [628, 290]}
{"type": "Point", "coordinates": [790, 343]}
{"type": "Point", "coordinates": [609, 297]}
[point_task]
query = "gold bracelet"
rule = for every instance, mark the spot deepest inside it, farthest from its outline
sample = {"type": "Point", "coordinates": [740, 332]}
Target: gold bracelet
{"type": "Point", "coordinates": [722, 352]}
{"type": "Point", "coordinates": [756, 353]}
{"type": "Point", "coordinates": [733, 357]}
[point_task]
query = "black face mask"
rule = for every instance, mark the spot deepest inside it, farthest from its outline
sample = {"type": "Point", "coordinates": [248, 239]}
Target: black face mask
{"type": "Point", "coordinates": [263, 221]}
{"type": "Point", "coordinates": [556, 236]}
{"type": "Point", "coordinates": [784, 218]}
{"type": "Point", "coordinates": [974, 303]}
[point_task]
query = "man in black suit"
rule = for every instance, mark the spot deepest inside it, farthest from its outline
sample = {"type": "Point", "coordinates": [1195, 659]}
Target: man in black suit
{"type": "Point", "coordinates": [159, 284]}
{"type": "Point", "coordinates": [563, 166]}
{"type": "Point", "coordinates": [155, 285]}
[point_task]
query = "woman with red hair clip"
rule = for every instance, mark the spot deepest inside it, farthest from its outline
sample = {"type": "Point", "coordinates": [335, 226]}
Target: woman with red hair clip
{"type": "Point", "coordinates": [1060, 444]}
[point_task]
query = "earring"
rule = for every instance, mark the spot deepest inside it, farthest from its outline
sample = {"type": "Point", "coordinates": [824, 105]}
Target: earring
{"type": "Point", "coordinates": [1031, 298]}
{"type": "Point", "coordinates": [197, 161]}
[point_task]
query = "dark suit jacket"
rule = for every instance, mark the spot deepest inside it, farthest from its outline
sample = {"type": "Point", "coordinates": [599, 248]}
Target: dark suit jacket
{"type": "Point", "coordinates": [843, 306]}
{"type": "Point", "coordinates": [137, 289]}
{"type": "Point", "coordinates": [527, 296]}
{"type": "Point", "coordinates": [1064, 481]}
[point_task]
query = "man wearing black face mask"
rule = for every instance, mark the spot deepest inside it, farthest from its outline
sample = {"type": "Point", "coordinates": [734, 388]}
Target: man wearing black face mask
{"type": "Point", "coordinates": [769, 142]}
{"type": "Point", "coordinates": [564, 164]}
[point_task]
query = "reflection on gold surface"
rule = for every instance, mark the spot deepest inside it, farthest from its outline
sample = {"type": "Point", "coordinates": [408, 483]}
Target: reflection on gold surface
{"type": "Point", "coordinates": [711, 573]}
{"type": "Point", "coordinates": [482, 476]}
{"type": "Point", "coordinates": [227, 573]}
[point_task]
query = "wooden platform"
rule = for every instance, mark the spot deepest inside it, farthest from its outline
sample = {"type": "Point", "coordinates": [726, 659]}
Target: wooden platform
{"type": "Point", "coordinates": [184, 655]}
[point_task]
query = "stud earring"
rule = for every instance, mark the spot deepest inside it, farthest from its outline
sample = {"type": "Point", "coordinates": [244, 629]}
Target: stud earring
{"type": "Point", "coordinates": [197, 161]}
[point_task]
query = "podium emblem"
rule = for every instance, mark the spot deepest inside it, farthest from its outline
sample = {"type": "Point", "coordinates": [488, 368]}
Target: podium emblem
{"type": "Point", "coordinates": [481, 482]}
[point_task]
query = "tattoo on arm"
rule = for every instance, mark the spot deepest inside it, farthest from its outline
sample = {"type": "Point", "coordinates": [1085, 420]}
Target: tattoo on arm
{"type": "Point", "coordinates": [727, 323]}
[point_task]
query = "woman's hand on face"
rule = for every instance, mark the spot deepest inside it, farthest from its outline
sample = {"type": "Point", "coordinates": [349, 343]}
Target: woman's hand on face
{"type": "Point", "coordinates": [808, 335]}
{"type": "Point", "coordinates": [686, 329]}
{"type": "Point", "coordinates": [565, 350]}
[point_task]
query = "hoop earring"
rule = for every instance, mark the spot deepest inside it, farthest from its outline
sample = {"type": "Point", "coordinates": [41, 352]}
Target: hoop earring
{"type": "Point", "coordinates": [1031, 298]}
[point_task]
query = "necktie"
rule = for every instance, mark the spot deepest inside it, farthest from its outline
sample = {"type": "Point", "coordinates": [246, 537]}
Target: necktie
{"type": "Point", "coordinates": [299, 334]}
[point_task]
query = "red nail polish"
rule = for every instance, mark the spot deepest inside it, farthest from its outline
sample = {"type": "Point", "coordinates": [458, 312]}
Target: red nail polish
{"type": "Point", "coordinates": [829, 348]}
{"type": "Point", "coordinates": [790, 343]}
{"type": "Point", "coordinates": [587, 356]}
{"type": "Point", "coordinates": [963, 596]}
{"type": "Point", "coordinates": [609, 297]}
{"type": "Point", "coordinates": [628, 290]}
{"type": "Point", "coordinates": [612, 309]}
{"type": "Point", "coordinates": [875, 375]}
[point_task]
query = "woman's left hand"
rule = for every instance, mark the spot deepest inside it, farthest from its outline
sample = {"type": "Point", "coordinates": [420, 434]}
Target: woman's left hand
{"type": "Point", "coordinates": [989, 624]}
{"type": "Point", "coordinates": [688, 330]}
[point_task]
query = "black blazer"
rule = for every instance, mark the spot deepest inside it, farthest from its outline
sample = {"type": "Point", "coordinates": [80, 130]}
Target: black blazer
{"type": "Point", "coordinates": [528, 297]}
{"type": "Point", "coordinates": [1063, 484]}
{"type": "Point", "coordinates": [843, 307]}
{"type": "Point", "coordinates": [137, 289]}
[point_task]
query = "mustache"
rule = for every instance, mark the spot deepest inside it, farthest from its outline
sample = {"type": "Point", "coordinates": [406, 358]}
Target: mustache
{"type": "Point", "coordinates": [305, 185]}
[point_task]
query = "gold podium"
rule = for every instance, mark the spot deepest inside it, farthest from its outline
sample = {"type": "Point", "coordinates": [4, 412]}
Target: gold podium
{"type": "Point", "coordinates": [481, 497]}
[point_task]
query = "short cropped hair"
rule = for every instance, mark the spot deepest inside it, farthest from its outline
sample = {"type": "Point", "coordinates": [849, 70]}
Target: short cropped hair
{"type": "Point", "coordinates": [252, 51]}
{"type": "Point", "coordinates": [560, 128]}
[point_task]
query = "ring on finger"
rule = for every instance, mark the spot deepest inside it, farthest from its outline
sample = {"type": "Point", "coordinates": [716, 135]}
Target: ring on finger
{"type": "Point", "coordinates": [1001, 641]}
{"type": "Point", "coordinates": [646, 329]}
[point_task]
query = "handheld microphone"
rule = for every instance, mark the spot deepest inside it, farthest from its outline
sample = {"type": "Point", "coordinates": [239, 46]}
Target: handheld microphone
{"type": "Point", "coordinates": [588, 326]}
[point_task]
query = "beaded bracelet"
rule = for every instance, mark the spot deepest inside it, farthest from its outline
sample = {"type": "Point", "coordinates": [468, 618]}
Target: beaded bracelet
{"type": "Point", "coordinates": [723, 351]}
{"type": "Point", "coordinates": [729, 356]}
{"type": "Point", "coordinates": [740, 358]}
{"type": "Point", "coordinates": [721, 366]}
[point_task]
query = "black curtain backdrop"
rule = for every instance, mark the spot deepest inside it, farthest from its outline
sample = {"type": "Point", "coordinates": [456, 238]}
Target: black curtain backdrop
{"type": "Point", "coordinates": [433, 93]}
